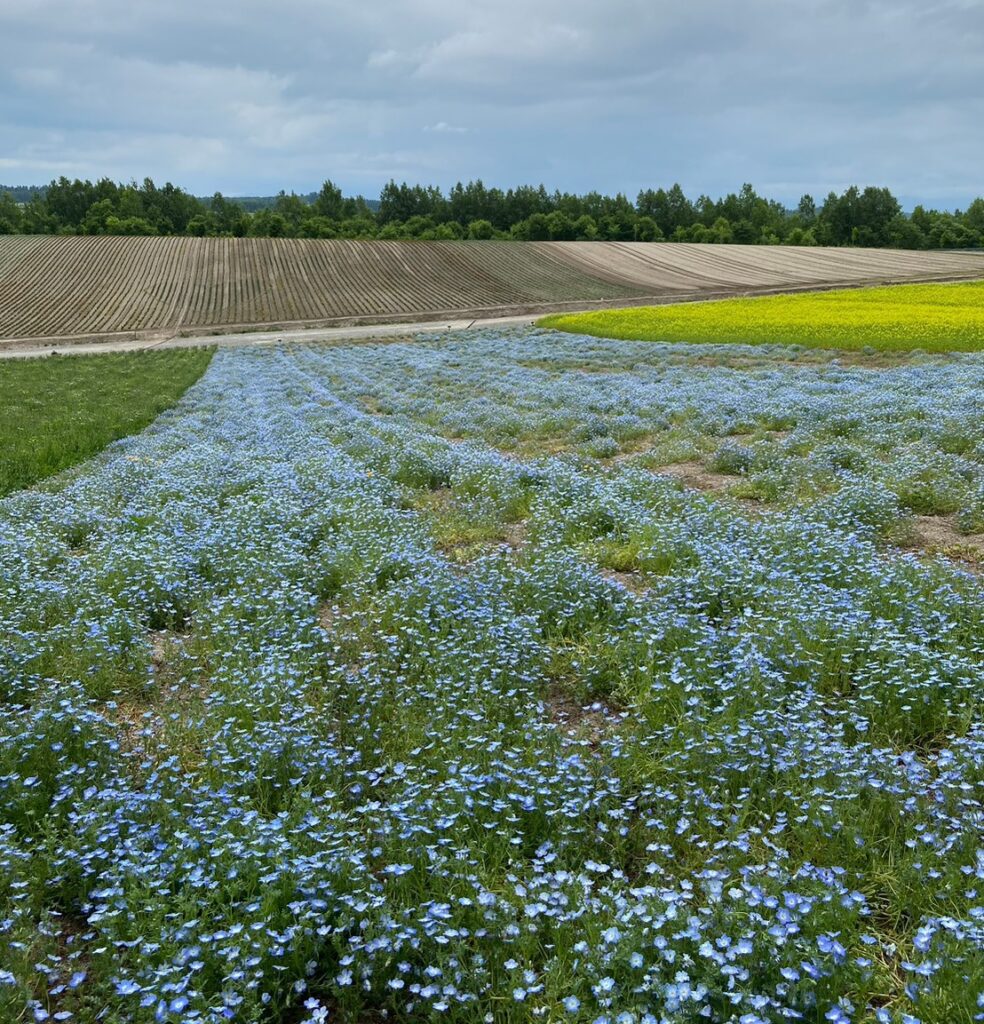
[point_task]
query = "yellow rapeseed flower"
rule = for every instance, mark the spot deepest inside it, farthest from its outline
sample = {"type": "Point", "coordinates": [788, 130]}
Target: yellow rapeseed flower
{"type": "Point", "coordinates": [936, 318]}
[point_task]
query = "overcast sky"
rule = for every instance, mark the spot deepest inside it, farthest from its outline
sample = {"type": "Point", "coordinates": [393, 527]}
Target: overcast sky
{"type": "Point", "coordinates": [249, 97]}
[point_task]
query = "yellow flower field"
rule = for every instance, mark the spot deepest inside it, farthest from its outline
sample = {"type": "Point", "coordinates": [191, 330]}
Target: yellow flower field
{"type": "Point", "coordinates": [936, 318]}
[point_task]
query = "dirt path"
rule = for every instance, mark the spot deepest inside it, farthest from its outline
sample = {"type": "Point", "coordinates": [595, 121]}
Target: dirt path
{"type": "Point", "coordinates": [104, 293]}
{"type": "Point", "coordinates": [370, 327]}
{"type": "Point", "coordinates": [367, 332]}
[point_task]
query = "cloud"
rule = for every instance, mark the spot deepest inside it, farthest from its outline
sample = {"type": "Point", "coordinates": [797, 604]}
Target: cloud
{"type": "Point", "coordinates": [248, 96]}
{"type": "Point", "coordinates": [443, 128]}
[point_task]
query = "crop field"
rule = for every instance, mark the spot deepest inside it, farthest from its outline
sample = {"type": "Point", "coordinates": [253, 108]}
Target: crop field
{"type": "Point", "coordinates": [73, 286]}
{"type": "Point", "coordinates": [57, 412]}
{"type": "Point", "coordinates": [942, 318]}
{"type": "Point", "coordinates": [424, 682]}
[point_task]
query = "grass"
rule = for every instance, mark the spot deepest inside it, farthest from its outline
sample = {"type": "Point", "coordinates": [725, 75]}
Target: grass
{"type": "Point", "coordinates": [934, 318]}
{"type": "Point", "coordinates": [56, 412]}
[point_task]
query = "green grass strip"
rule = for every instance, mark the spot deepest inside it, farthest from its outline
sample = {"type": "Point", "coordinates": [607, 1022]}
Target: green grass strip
{"type": "Point", "coordinates": [933, 318]}
{"type": "Point", "coordinates": [57, 411]}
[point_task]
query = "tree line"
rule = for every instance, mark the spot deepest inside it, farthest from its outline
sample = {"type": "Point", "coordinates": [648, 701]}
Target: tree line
{"type": "Point", "coordinates": [860, 217]}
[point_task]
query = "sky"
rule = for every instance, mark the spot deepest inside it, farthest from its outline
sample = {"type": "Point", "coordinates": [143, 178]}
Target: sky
{"type": "Point", "coordinates": [250, 97]}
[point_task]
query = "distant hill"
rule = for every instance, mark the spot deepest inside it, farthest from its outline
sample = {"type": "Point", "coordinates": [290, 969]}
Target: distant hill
{"type": "Point", "coordinates": [253, 203]}
{"type": "Point", "coordinates": [24, 193]}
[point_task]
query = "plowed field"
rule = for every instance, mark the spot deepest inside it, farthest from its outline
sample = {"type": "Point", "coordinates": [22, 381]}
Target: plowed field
{"type": "Point", "coordinates": [62, 287]}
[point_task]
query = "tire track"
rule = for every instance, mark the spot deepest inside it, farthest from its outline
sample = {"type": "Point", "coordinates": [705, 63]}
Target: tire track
{"type": "Point", "coordinates": [71, 286]}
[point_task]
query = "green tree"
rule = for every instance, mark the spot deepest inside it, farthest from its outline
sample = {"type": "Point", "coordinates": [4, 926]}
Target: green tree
{"type": "Point", "coordinates": [480, 229]}
{"type": "Point", "coordinates": [294, 211]}
{"type": "Point", "coordinates": [393, 231]}
{"type": "Point", "coordinates": [876, 210]}
{"type": "Point", "coordinates": [800, 236]}
{"type": "Point", "coordinates": [869, 217]}
{"type": "Point", "coordinates": [418, 226]}
{"type": "Point", "coordinates": [535, 228]}
{"type": "Point", "coordinates": [671, 209]}
{"type": "Point", "coordinates": [585, 228]}
{"type": "Point", "coordinates": [97, 217]}
{"type": "Point", "coordinates": [330, 203]}
{"type": "Point", "coordinates": [858, 218]}
{"type": "Point", "coordinates": [128, 226]}
{"type": "Point", "coordinates": [974, 219]}
{"type": "Point", "coordinates": [268, 224]}
{"type": "Point", "coordinates": [204, 225]}
{"type": "Point", "coordinates": [471, 202]}
{"type": "Point", "coordinates": [11, 217]}
{"type": "Point", "coordinates": [721, 232]}
{"type": "Point", "coordinates": [169, 208]}
{"type": "Point", "coordinates": [67, 203]}
{"type": "Point", "coordinates": [949, 232]}
{"type": "Point", "coordinates": [357, 227]}
{"type": "Point", "coordinates": [561, 227]}
{"type": "Point", "coordinates": [403, 202]}
{"type": "Point", "coordinates": [744, 232]}
{"type": "Point", "coordinates": [647, 230]}
{"type": "Point", "coordinates": [449, 231]}
{"type": "Point", "coordinates": [903, 233]}
{"type": "Point", "coordinates": [37, 219]}
{"type": "Point", "coordinates": [230, 218]}
{"type": "Point", "coordinates": [318, 227]}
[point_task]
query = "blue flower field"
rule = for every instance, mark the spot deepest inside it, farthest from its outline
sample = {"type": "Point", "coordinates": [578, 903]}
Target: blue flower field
{"type": "Point", "coordinates": [415, 682]}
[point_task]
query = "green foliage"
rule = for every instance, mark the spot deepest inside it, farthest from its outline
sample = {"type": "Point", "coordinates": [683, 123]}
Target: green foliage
{"type": "Point", "coordinates": [57, 411]}
{"type": "Point", "coordinates": [129, 226]}
{"type": "Point", "coordinates": [585, 228]}
{"type": "Point", "coordinates": [647, 230]}
{"type": "Point", "coordinates": [330, 203]}
{"type": "Point", "coordinates": [535, 228]}
{"type": "Point", "coordinates": [449, 231]}
{"type": "Point", "coordinates": [857, 217]}
{"type": "Point", "coordinates": [318, 227]}
{"type": "Point", "coordinates": [801, 236]}
{"type": "Point", "coordinates": [11, 217]}
{"type": "Point", "coordinates": [561, 227]}
{"type": "Point", "coordinates": [267, 224]}
{"type": "Point", "coordinates": [481, 229]}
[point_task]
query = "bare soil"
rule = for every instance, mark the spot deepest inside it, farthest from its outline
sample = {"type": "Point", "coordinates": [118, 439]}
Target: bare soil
{"type": "Point", "coordinates": [589, 722]}
{"type": "Point", "coordinates": [696, 476]}
{"type": "Point", "coordinates": [128, 289]}
{"type": "Point", "coordinates": [938, 535]}
{"type": "Point", "coordinates": [632, 582]}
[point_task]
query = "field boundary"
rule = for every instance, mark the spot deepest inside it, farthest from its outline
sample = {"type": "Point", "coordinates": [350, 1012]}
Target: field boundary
{"type": "Point", "coordinates": [204, 334]}
{"type": "Point", "coordinates": [62, 290]}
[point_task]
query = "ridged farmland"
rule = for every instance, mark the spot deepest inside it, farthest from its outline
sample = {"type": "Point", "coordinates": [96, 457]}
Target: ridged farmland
{"type": "Point", "coordinates": [75, 286]}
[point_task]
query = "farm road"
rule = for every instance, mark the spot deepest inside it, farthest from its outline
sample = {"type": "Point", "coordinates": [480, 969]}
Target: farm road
{"type": "Point", "coordinates": [355, 333]}
{"type": "Point", "coordinates": [364, 332]}
{"type": "Point", "coordinates": [132, 292]}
